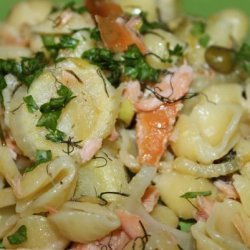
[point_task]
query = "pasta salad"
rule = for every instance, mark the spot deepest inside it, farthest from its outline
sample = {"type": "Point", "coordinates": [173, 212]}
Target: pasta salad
{"type": "Point", "coordinates": [124, 125]}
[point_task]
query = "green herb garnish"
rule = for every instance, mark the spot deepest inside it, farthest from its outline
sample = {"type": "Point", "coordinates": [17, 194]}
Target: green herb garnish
{"type": "Point", "coordinates": [42, 156]}
{"type": "Point", "coordinates": [185, 225]}
{"type": "Point", "coordinates": [104, 59]}
{"type": "Point", "coordinates": [136, 66]}
{"type": "Point", "coordinates": [149, 26]}
{"type": "Point", "coordinates": [243, 57]}
{"type": "Point", "coordinates": [51, 112]}
{"type": "Point", "coordinates": [72, 5]}
{"type": "Point", "coordinates": [1, 245]}
{"type": "Point", "coordinates": [65, 42]}
{"type": "Point", "coordinates": [132, 63]}
{"type": "Point", "coordinates": [19, 236]}
{"type": "Point", "coordinates": [26, 71]}
{"type": "Point", "coordinates": [49, 120]}
{"type": "Point", "coordinates": [55, 135]}
{"type": "Point", "coordinates": [31, 104]}
{"type": "Point", "coordinates": [191, 195]}
{"type": "Point", "coordinates": [3, 85]}
{"type": "Point", "coordinates": [199, 30]}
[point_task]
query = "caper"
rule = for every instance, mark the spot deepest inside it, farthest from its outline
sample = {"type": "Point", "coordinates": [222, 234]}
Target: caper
{"type": "Point", "coordinates": [221, 59]}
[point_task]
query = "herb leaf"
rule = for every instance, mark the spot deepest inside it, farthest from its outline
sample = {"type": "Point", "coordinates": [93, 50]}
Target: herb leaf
{"type": "Point", "coordinates": [149, 26]}
{"type": "Point", "coordinates": [136, 67]}
{"type": "Point", "coordinates": [42, 156]}
{"type": "Point", "coordinates": [243, 57]}
{"type": "Point", "coordinates": [198, 30]}
{"type": "Point", "coordinates": [31, 104]}
{"type": "Point", "coordinates": [55, 135]}
{"type": "Point", "coordinates": [49, 120]}
{"type": "Point", "coordinates": [52, 110]}
{"type": "Point", "coordinates": [72, 5]}
{"type": "Point", "coordinates": [191, 195]}
{"type": "Point", "coordinates": [3, 85]}
{"type": "Point", "coordinates": [185, 225]}
{"type": "Point", "coordinates": [19, 236]}
{"type": "Point", "coordinates": [65, 42]}
{"type": "Point", "coordinates": [104, 59]}
{"type": "Point", "coordinates": [26, 71]}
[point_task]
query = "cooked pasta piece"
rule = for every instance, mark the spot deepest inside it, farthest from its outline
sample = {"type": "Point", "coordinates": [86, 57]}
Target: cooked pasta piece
{"type": "Point", "coordinates": [55, 185]}
{"type": "Point", "coordinates": [235, 26]}
{"type": "Point", "coordinates": [179, 184]}
{"type": "Point", "coordinates": [37, 233]}
{"type": "Point", "coordinates": [221, 228]}
{"type": "Point", "coordinates": [91, 93]}
{"type": "Point", "coordinates": [208, 133]}
{"type": "Point", "coordinates": [103, 174]}
{"type": "Point", "coordinates": [88, 222]}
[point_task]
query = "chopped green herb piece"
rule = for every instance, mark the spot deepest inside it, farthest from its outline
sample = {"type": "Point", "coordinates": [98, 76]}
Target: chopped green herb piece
{"type": "Point", "coordinates": [95, 34]}
{"type": "Point", "coordinates": [55, 135]}
{"type": "Point", "coordinates": [3, 85]}
{"type": "Point", "coordinates": [55, 104]}
{"type": "Point", "coordinates": [1, 245]}
{"type": "Point", "coordinates": [185, 225]}
{"type": "Point", "coordinates": [204, 40]}
{"type": "Point", "coordinates": [66, 93]}
{"type": "Point", "coordinates": [49, 120]}
{"type": "Point", "coordinates": [136, 67]}
{"type": "Point", "coordinates": [32, 68]}
{"type": "Point", "coordinates": [25, 71]}
{"type": "Point", "coordinates": [104, 59]}
{"type": "Point", "coordinates": [51, 112]}
{"type": "Point", "coordinates": [65, 42]}
{"type": "Point", "coordinates": [31, 104]}
{"type": "Point", "coordinates": [72, 5]}
{"type": "Point", "coordinates": [198, 28]}
{"type": "Point", "coordinates": [43, 156]}
{"type": "Point", "coordinates": [19, 236]}
{"type": "Point", "coordinates": [191, 195]}
{"type": "Point", "coordinates": [243, 57]}
{"type": "Point", "coordinates": [149, 26]}
{"type": "Point", "coordinates": [176, 51]}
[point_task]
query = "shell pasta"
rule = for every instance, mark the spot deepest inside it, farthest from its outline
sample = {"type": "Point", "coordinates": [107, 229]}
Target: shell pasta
{"type": "Point", "coordinates": [124, 125]}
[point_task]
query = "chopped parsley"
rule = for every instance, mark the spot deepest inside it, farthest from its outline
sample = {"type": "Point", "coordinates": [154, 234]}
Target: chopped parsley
{"type": "Point", "coordinates": [132, 64]}
{"type": "Point", "coordinates": [191, 195]}
{"type": "Point", "coordinates": [95, 34]}
{"type": "Point", "coordinates": [1, 245]}
{"type": "Point", "coordinates": [31, 104]}
{"type": "Point", "coordinates": [70, 5]}
{"type": "Point", "coordinates": [242, 57]}
{"type": "Point", "coordinates": [26, 70]}
{"type": "Point", "coordinates": [32, 68]}
{"type": "Point", "coordinates": [104, 59]}
{"type": "Point", "coordinates": [19, 236]}
{"type": "Point", "coordinates": [64, 42]}
{"type": "Point", "coordinates": [199, 30]}
{"type": "Point", "coordinates": [42, 156]}
{"type": "Point", "coordinates": [136, 66]}
{"type": "Point", "coordinates": [3, 85]}
{"type": "Point", "coordinates": [55, 135]}
{"type": "Point", "coordinates": [149, 26]}
{"type": "Point", "coordinates": [185, 225]}
{"type": "Point", "coordinates": [51, 112]}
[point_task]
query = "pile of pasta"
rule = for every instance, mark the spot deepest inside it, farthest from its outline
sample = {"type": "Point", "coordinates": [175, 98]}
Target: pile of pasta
{"type": "Point", "coordinates": [124, 125]}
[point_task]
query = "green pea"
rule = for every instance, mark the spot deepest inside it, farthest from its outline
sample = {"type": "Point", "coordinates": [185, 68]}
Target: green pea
{"type": "Point", "coordinates": [221, 59]}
